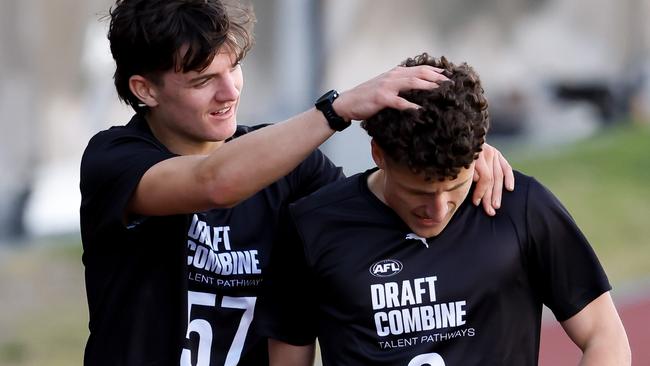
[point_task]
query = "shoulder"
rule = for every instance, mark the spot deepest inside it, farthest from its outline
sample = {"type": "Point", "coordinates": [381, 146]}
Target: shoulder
{"type": "Point", "coordinates": [332, 196]}
{"type": "Point", "coordinates": [531, 194]}
{"type": "Point", "coordinates": [124, 137]}
{"type": "Point", "coordinates": [120, 151]}
{"type": "Point", "coordinates": [525, 185]}
{"type": "Point", "coordinates": [523, 181]}
{"type": "Point", "coordinates": [104, 137]}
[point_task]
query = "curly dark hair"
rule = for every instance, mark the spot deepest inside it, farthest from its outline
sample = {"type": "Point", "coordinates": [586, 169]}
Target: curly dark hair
{"type": "Point", "coordinates": [446, 134]}
{"type": "Point", "coordinates": [147, 36]}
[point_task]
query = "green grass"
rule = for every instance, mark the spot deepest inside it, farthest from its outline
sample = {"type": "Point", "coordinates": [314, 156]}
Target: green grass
{"type": "Point", "coordinates": [44, 314]}
{"type": "Point", "coordinates": [604, 181]}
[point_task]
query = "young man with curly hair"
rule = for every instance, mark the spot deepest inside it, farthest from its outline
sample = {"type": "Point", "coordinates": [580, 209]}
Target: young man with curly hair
{"type": "Point", "coordinates": [394, 266]}
{"type": "Point", "coordinates": [181, 205]}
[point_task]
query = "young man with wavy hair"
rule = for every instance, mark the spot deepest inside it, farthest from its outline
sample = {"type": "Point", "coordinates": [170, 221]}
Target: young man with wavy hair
{"type": "Point", "coordinates": [181, 205]}
{"type": "Point", "coordinates": [395, 266]}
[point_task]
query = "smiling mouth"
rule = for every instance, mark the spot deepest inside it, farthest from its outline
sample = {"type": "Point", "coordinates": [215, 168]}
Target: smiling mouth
{"type": "Point", "coordinates": [221, 111]}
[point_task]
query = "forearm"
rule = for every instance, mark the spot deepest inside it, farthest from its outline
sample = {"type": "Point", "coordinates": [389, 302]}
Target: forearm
{"type": "Point", "coordinates": [245, 165]}
{"type": "Point", "coordinates": [284, 354]}
{"type": "Point", "coordinates": [607, 355]}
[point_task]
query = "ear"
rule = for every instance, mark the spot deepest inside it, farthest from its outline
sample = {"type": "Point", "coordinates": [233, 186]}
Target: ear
{"type": "Point", "coordinates": [143, 89]}
{"type": "Point", "coordinates": [377, 155]}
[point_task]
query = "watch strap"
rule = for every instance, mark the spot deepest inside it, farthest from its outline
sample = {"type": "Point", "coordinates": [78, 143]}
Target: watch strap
{"type": "Point", "coordinates": [324, 104]}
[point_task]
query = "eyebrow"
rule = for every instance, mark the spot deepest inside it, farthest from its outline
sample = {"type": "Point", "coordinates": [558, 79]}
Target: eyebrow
{"type": "Point", "coordinates": [457, 185]}
{"type": "Point", "coordinates": [416, 191]}
{"type": "Point", "coordinates": [201, 78]}
{"type": "Point", "coordinates": [211, 75]}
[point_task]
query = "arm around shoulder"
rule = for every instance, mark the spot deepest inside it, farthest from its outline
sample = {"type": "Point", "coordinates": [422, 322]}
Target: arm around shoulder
{"type": "Point", "coordinates": [598, 331]}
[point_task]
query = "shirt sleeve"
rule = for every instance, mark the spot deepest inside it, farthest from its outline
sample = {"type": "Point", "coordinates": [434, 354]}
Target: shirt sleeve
{"type": "Point", "coordinates": [288, 305]}
{"type": "Point", "coordinates": [111, 168]}
{"type": "Point", "coordinates": [564, 267]}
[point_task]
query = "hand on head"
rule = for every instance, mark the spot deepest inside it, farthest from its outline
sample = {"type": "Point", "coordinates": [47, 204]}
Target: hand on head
{"type": "Point", "coordinates": [366, 99]}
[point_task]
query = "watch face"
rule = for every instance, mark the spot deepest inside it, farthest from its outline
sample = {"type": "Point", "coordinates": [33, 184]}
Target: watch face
{"type": "Point", "coordinates": [330, 96]}
{"type": "Point", "coordinates": [324, 104]}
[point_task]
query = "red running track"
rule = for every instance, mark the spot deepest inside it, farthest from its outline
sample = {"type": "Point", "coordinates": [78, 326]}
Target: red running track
{"type": "Point", "coordinates": [556, 348]}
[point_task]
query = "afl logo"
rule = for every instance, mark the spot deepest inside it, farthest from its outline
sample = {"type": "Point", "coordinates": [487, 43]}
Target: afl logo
{"type": "Point", "coordinates": [386, 268]}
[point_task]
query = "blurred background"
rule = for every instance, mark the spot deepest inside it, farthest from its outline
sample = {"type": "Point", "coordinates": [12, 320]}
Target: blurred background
{"type": "Point", "coordinates": [569, 90]}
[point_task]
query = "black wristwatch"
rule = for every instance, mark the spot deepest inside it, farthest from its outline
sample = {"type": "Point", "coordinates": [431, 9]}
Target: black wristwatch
{"type": "Point", "coordinates": [324, 104]}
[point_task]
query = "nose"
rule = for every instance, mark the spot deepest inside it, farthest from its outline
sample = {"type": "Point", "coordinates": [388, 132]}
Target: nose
{"type": "Point", "coordinates": [226, 90]}
{"type": "Point", "coordinates": [437, 208]}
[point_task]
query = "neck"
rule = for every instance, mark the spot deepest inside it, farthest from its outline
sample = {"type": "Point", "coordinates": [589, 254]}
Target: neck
{"type": "Point", "coordinates": [179, 143]}
{"type": "Point", "coordinates": [376, 184]}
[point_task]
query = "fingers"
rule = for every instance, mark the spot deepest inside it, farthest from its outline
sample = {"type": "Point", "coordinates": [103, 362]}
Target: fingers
{"type": "Point", "coordinates": [424, 72]}
{"type": "Point", "coordinates": [508, 175]}
{"type": "Point", "coordinates": [401, 104]}
{"type": "Point", "coordinates": [483, 189]}
{"type": "Point", "coordinates": [425, 77]}
{"type": "Point", "coordinates": [409, 78]}
{"type": "Point", "coordinates": [368, 98]}
{"type": "Point", "coordinates": [494, 173]}
{"type": "Point", "coordinates": [417, 77]}
{"type": "Point", "coordinates": [480, 169]}
{"type": "Point", "coordinates": [497, 189]}
{"type": "Point", "coordinates": [393, 100]}
{"type": "Point", "coordinates": [487, 200]}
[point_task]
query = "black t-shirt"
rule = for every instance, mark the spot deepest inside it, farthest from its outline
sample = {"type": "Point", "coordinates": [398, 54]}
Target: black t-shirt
{"type": "Point", "coordinates": [374, 293]}
{"type": "Point", "coordinates": [176, 290]}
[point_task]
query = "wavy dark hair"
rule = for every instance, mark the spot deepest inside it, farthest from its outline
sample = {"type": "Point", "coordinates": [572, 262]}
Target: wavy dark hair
{"type": "Point", "coordinates": [147, 36]}
{"type": "Point", "coordinates": [446, 134]}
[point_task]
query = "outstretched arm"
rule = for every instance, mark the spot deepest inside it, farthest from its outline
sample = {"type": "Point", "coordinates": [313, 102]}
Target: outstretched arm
{"type": "Point", "coordinates": [243, 166]}
{"type": "Point", "coordinates": [598, 331]}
